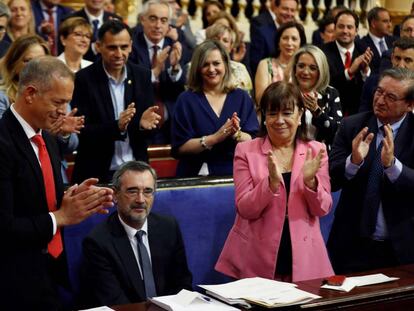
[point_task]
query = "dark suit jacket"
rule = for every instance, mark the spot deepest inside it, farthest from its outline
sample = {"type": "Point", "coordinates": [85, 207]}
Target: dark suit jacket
{"type": "Point", "coordinates": [61, 12]}
{"type": "Point", "coordinates": [28, 282]}
{"type": "Point", "coordinates": [368, 90]}
{"type": "Point", "coordinates": [262, 39]}
{"type": "Point", "coordinates": [97, 139]}
{"type": "Point", "coordinates": [349, 90]}
{"type": "Point", "coordinates": [169, 89]}
{"type": "Point", "coordinates": [385, 62]}
{"type": "Point", "coordinates": [90, 55]}
{"type": "Point", "coordinates": [396, 197]}
{"type": "Point", "coordinates": [111, 271]}
{"type": "Point", "coordinates": [4, 46]}
{"type": "Point", "coordinates": [366, 42]}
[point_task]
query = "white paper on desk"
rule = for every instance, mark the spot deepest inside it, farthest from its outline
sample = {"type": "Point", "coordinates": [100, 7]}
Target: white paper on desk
{"type": "Point", "coordinates": [103, 308]}
{"type": "Point", "coordinates": [288, 296]}
{"type": "Point", "coordinates": [199, 303]}
{"type": "Point", "coordinates": [346, 286]}
{"type": "Point", "coordinates": [351, 282]}
{"type": "Point", "coordinates": [250, 287]}
{"type": "Point", "coordinates": [372, 279]}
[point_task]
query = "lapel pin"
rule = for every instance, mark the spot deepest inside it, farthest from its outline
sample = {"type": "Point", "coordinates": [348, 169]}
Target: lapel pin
{"type": "Point", "coordinates": [129, 82]}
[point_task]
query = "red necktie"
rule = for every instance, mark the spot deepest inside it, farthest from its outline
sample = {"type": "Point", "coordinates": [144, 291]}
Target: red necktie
{"type": "Point", "coordinates": [158, 101]}
{"type": "Point", "coordinates": [51, 35]}
{"type": "Point", "coordinates": [348, 60]}
{"type": "Point", "coordinates": [55, 246]}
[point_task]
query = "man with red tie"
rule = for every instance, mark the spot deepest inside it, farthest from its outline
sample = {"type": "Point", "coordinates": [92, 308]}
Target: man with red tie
{"type": "Point", "coordinates": [348, 61]}
{"type": "Point", "coordinates": [34, 208]}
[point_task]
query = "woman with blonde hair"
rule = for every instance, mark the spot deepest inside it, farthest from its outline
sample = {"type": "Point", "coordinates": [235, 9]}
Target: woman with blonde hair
{"type": "Point", "coordinates": [75, 33]}
{"type": "Point", "coordinates": [309, 70]}
{"type": "Point", "coordinates": [21, 21]}
{"type": "Point", "coordinates": [226, 36]}
{"type": "Point", "coordinates": [212, 116]}
{"type": "Point", "coordinates": [21, 51]}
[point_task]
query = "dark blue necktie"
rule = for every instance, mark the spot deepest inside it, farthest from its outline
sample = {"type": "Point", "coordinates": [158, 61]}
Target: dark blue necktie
{"type": "Point", "coordinates": [146, 268]}
{"type": "Point", "coordinates": [95, 24]}
{"type": "Point", "coordinates": [373, 193]}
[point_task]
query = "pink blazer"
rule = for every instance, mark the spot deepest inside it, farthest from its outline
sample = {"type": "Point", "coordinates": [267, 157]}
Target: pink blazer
{"type": "Point", "coordinates": [252, 245]}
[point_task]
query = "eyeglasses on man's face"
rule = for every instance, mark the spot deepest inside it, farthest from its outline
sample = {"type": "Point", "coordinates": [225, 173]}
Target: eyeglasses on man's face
{"type": "Point", "coordinates": [135, 192]}
{"type": "Point", "coordinates": [388, 97]}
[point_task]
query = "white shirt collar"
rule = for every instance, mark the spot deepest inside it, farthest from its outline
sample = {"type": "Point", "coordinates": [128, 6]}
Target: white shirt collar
{"type": "Point", "coordinates": [150, 44]}
{"type": "Point", "coordinates": [123, 76]}
{"type": "Point", "coordinates": [93, 17]}
{"type": "Point", "coordinates": [131, 232]}
{"type": "Point", "coordinates": [29, 131]}
{"type": "Point", "coordinates": [376, 39]}
{"type": "Point", "coordinates": [343, 50]}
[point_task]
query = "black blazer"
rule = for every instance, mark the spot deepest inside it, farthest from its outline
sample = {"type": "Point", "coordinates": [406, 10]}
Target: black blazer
{"type": "Point", "coordinates": [111, 272]}
{"type": "Point", "coordinates": [396, 197]}
{"type": "Point", "coordinates": [90, 55]}
{"type": "Point", "coordinates": [349, 90]}
{"type": "Point", "coordinates": [97, 139]}
{"type": "Point", "coordinates": [366, 42]}
{"type": "Point", "coordinates": [169, 89]}
{"type": "Point", "coordinates": [28, 272]}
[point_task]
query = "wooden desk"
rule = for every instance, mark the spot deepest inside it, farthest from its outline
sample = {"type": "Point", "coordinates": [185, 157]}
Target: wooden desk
{"type": "Point", "coordinates": [396, 296]}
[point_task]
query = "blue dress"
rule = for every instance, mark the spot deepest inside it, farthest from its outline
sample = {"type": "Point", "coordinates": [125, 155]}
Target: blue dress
{"type": "Point", "coordinates": [193, 118]}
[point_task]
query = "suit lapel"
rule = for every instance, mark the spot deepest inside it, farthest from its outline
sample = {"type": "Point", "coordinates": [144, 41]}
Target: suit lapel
{"type": "Point", "coordinates": [123, 247]}
{"type": "Point", "coordinates": [23, 144]}
{"type": "Point", "coordinates": [155, 247]}
{"type": "Point", "coordinates": [298, 160]}
{"type": "Point", "coordinates": [104, 93]}
{"type": "Point", "coordinates": [404, 133]}
{"type": "Point", "coordinates": [129, 89]}
{"type": "Point", "coordinates": [143, 53]}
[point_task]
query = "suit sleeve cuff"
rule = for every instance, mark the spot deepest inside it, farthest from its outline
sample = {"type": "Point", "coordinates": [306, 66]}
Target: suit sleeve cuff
{"type": "Point", "coordinates": [394, 171]}
{"type": "Point", "coordinates": [351, 169]}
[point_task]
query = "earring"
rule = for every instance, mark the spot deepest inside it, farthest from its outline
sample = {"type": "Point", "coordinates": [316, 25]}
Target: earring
{"type": "Point", "coordinates": [264, 122]}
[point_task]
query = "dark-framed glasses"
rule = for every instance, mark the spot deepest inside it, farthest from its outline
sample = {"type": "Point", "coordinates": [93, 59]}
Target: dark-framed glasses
{"type": "Point", "coordinates": [389, 97]}
{"type": "Point", "coordinates": [135, 192]}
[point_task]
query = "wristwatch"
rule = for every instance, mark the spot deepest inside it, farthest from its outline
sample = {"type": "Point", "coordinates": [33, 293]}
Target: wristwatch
{"type": "Point", "coordinates": [203, 143]}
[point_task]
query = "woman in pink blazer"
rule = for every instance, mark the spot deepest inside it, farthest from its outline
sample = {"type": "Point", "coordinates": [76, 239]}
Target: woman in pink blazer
{"type": "Point", "coordinates": [282, 188]}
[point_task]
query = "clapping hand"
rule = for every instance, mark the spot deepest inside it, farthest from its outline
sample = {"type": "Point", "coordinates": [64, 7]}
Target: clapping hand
{"type": "Point", "coordinates": [176, 53]}
{"type": "Point", "coordinates": [150, 118]}
{"type": "Point", "coordinates": [68, 124]}
{"type": "Point", "coordinates": [387, 152]}
{"type": "Point", "coordinates": [311, 167]}
{"type": "Point", "coordinates": [360, 146]}
{"type": "Point", "coordinates": [126, 116]}
{"type": "Point", "coordinates": [310, 101]}
{"type": "Point", "coordinates": [275, 176]}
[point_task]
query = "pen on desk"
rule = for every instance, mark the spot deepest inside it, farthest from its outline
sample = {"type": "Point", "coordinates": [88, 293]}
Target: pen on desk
{"type": "Point", "coordinates": [205, 298]}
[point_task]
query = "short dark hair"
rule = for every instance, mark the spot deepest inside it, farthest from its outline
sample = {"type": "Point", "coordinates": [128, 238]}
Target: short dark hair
{"type": "Point", "coordinates": [277, 2]}
{"type": "Point", "coordinates": [347, 12]}
{"type": "Point", "coordinates": [136, 166]}
{"type": "Point", "coordinates": [113, 26]}
{"type": "Point", "coordinates": [403, 43]}
{"type": "Point", "coordinates": [373, 14]}
{"type": "Point", "coordinates": [281, 30]}
{"type": "Point", "coordinates": [325, 22]}
{"type": "Point", "coordinates": [206, 4]}
{"type": "Point", "coordinates": [406, 19]}
{"type": "Point", "coordinates": [281, 95]}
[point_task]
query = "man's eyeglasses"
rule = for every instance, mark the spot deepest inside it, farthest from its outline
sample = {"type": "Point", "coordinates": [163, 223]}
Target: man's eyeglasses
{"type": "Point", "coordinates": [389, 97]}
{"type": "Point", "coordinates": [134, 193]}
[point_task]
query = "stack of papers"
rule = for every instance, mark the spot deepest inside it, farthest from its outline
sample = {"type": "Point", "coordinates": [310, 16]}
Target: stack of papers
{"type": "Point", "coordinates": [351, 282]}
{"type": "Point", "coordinates": [190, 301]}
{"type": "Point", "coordinates": [267, 293]}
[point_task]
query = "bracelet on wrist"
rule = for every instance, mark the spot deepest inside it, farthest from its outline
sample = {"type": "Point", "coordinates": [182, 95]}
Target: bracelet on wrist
{"type": "Point", "coordinates": [204, 144]}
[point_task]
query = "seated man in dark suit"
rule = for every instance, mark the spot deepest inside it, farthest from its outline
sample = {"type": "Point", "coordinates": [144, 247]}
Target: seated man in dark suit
{"type": "Point", "coordinates": [263, 29]}
{"type": "Point", "coordinates": [372, 160]}
{"type": "Point", "coordinates": [134, 254]}
{"type": "Point", "coordinates": [402, 57]}
{"type": "Point", "coordinates": [48, 15]}
{"type": "Point", "coordinates": [94, 13]}
{"type": "Point", "coordinates": [166, 63]}
{"type": "Point", "coordinates": [116, 99]}
{"type": "Point", "coordinates": [379, 38]}
{"type": "Point", "coordinates": [348, 61]}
